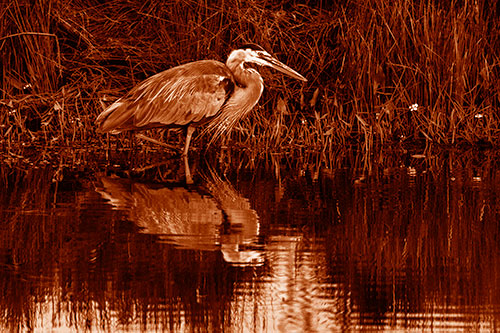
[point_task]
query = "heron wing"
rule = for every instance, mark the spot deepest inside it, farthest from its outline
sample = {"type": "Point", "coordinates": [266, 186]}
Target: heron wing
{"type": "Point", "coordinates": [182, 95]}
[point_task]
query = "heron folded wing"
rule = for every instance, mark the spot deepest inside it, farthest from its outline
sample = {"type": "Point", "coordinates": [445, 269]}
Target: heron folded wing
{"type": "Point", "coordinates": [183, 95]}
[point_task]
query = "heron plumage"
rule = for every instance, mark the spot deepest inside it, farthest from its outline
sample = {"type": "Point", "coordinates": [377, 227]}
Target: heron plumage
{"type": "Point", "coordinates": [205, 91]}
{"type": "Point", "coordinates": [179, 96]}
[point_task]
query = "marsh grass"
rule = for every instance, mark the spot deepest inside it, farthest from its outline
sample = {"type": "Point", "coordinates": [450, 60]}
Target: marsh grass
{"type": "Point", "coordinates": [379, 73]}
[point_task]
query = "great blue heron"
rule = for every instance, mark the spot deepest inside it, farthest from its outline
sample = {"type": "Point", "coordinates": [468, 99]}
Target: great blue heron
{"type": "Point", "coordinates": [201, 92]}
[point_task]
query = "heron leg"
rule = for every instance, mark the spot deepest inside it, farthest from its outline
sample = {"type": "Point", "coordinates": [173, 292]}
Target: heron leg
{"type": "Point", "coordinates": [189, 134]}
{"type": "Point", "coordinates": [189, 179]}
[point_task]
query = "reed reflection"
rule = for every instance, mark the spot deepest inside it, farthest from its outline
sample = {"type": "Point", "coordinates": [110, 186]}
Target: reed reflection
{"type": "Point", "coordinates": [163, 259]}
{"type": "Point", "coordinates": [399, 247]}
{"type": "Point", "coordinates": [417, 243]}
{"type": "Point", "coordinates": [211, 216]}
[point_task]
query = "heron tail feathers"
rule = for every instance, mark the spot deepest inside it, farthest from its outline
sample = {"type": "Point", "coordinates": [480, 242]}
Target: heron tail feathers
{"type": "Point", "coordinates": [114, 119]}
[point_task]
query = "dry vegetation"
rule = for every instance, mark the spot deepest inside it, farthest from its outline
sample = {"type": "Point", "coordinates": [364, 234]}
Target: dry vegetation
{"type": "Point", "coordinates": [379, 73]}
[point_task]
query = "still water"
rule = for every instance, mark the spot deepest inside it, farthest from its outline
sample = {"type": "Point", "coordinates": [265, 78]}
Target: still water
{"type": "Point", "coordinates": [398, 242]}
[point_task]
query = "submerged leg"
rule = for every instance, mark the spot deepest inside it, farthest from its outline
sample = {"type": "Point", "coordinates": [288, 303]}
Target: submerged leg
{"type": "Point", "coordinates": [189, 179]}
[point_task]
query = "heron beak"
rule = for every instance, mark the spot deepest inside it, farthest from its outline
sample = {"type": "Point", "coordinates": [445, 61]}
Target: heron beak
{"type": "Point", "coordinates": [265, 59]}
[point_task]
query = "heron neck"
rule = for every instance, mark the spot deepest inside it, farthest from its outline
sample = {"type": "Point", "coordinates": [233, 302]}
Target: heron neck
{"type": "Point", "coordinates": [246, 94]}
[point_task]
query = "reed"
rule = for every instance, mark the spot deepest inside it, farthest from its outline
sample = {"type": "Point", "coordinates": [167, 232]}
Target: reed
{"type": "Point", "coordinates": [379, 73]}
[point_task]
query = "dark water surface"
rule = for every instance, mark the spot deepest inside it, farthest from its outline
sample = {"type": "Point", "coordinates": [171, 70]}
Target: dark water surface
{"type": "Point", "coordinates": [404, 242]}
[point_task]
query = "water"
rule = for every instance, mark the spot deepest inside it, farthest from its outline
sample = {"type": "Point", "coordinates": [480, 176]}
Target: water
{"type": "Point", "coordinates": [399, 242]}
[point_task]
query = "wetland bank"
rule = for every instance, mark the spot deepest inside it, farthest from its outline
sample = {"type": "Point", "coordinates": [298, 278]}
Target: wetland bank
{"type": "Point", "coordinates": [365, 199]}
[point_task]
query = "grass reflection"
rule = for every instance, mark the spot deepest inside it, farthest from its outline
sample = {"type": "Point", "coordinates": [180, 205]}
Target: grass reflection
{"type": "Point", "coordinates": [69, 260]}
{"type": "Point", "coordinates": [401, 240]}
{"type": "Point", "coordinates": [422, 242]}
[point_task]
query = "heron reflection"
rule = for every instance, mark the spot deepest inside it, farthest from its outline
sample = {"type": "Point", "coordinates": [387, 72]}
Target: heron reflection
{"type": "Point", "coordinates": [211, 216]}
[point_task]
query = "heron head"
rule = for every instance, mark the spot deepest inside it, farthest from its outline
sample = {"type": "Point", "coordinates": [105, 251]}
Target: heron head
{"type": "Point", "coordinates": [253, 53]}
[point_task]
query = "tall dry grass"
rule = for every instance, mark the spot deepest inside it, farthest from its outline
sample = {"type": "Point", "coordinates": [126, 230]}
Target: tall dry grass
{"type": "Point", "coordinates": [379, 73]}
